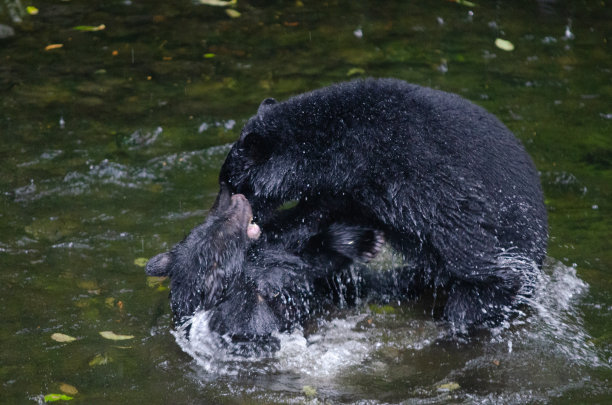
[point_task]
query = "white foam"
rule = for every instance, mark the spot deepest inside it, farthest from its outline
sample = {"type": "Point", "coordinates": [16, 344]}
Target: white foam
{"type": "Point", "coordinates": [335, 347]}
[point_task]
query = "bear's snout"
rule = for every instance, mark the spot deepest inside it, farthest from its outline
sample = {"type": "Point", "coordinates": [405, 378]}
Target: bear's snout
{"type": "Point", "coordinates": [240, 204]}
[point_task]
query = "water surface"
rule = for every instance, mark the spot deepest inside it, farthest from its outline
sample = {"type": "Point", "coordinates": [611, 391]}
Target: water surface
{"type": "Point", "coordinates": [111, 147]}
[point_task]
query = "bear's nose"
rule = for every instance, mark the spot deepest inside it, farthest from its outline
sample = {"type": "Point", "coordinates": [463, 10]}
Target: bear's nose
{"type": "Point", "coordinates": [239, 201]}
{"type": "Point", "coordinates": [239, 198]}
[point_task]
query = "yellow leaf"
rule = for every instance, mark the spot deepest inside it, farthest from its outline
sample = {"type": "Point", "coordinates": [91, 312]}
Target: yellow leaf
{"type": "Point", "coordinates": [504, 45]}
{"type": "Point", "coordinates": [141, 261]}
{"type": "Point", "coordinates": [89, 27]}
{"type": "Point", "coordinates": [233, 13]}
{"type": "Point", "coordinates": [465, 3]}
{"type": "Point", "coordinates": [451, 386]}
{"type": "Point", "coordinates": [219, 3]}
{"type": "Point", "coordinates": [109, 302]}
{"type": "Point", "coordinates": [68, 389]}
{"type": "Point", "coordinates": [100, 360]}
{"type": "Point", "coordinates": [355, 71]}
{"type": "Point", "coordinates": [53, 46]}
{"type": "Point", "coordinates": [32, 10]}
{"type": "Point", "coordinates": [60, 337]}
{"type": "Point", "coordinates": [153, 281]}
{"type": "Point", "coordinates": [113, 336]}
{"type": "Point", "coordinates": [309, 391]}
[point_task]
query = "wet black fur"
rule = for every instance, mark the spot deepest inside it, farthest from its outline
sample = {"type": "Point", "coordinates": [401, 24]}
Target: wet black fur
{"type": "Point", "coordinates": [255, 288]}
{"type": "Point", "coordinates": [449, 185]}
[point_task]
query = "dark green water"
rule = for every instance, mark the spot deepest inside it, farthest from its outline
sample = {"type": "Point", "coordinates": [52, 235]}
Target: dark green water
{"type": "Point", "coordinates": [110, 151]}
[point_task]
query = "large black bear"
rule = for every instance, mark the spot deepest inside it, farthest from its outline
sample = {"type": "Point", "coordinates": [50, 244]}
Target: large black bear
{"type": "Point", "coordinates": [448, 184]}
{"type": "Point", "coordinates": [253, 285]}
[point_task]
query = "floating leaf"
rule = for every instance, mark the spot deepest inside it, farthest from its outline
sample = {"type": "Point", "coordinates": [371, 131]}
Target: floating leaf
{"type": "Point", "coordinates": [464, 3]}
{"type": "Point", "coordinates": [233, 13]}
{"type": "Point", "coordinates": [355, 71]}
{"type": "Point", "coordinates": [153, 281]}
{"type": "Point", "coordinates": [382, 309]}
{"type": "Point", "coordinates": [57, 397]}
{"type": "Point", "coordinates": [100, 360]}
{"type": "Point", "coordinates": [309, 391]}
{"type": "Point", "coordinates": [113, 336]}
{"type": "Point", "coordinates": [84, 303]}
{"type": "Point", "coordinates": [53, 46]}
{"type": "Point", "coordinates": [89, 27]}
{"type": "Point", "coordinates": [109, 302]}
{"type": "Point", "coordinates": [219, 3]}
{"type": "Point", "coordinates": [451, 386]}
{"type": "Point", "coordinates": [503, 44]}
{"type": "Point", "coordinates": [60, 337]}
{"type": "Point", "coordinates": [68, 389]}
{"type": "Point", "coordinates": [141, 261]}
{"type": "Point", "coordinates": [32, 10]}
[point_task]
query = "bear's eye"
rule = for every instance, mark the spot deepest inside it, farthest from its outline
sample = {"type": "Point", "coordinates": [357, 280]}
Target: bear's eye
{"type": "Point", "coordinates": [255, 146]}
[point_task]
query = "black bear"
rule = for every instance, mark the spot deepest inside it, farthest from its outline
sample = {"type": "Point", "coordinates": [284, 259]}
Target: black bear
{"type": "Point", "coordinates": [254, 285]}
{"type": "Point", "coordinates": [449, 185]}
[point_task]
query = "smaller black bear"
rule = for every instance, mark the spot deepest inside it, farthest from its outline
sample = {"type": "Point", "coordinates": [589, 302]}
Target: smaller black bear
{"type": "Point", "coordinates": [256, 285]}
{"type": "Point", "coordinates": [450, 186]}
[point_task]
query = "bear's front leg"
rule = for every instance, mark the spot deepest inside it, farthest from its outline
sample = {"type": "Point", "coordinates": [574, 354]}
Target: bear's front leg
{"type": "Point", "coordinates": [477, 304]}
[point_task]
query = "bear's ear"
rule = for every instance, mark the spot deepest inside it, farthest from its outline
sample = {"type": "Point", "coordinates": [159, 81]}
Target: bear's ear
{"type": "Point", "coordinates": [159, 265]}
{"type": "Point", "coordinates": [224, 198]}
{"type": "Point", "coordinates": [265, 105]}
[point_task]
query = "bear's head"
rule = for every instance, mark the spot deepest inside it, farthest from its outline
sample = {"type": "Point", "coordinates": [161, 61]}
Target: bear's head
{"type": "Point", "coordinates": [203, 265]}
{"type": "Point", "coordinates": [272, 160]}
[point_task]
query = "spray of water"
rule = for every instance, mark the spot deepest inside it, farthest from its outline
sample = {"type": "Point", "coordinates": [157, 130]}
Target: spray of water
{"type": "Point", "coordinates": [550, 328]}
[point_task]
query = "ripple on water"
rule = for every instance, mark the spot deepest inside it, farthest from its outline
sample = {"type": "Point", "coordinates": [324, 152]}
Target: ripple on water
{"type": "Point", "coordinates": [122, 176]}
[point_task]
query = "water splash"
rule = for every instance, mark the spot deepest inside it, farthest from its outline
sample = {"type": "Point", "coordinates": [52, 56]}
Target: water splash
{"type": "Point", "coordinates": [557, 319]}
{"type": "Point", "coordinates": [336, 347]}
{"type": "Point", "coordinates": [527, 357]}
